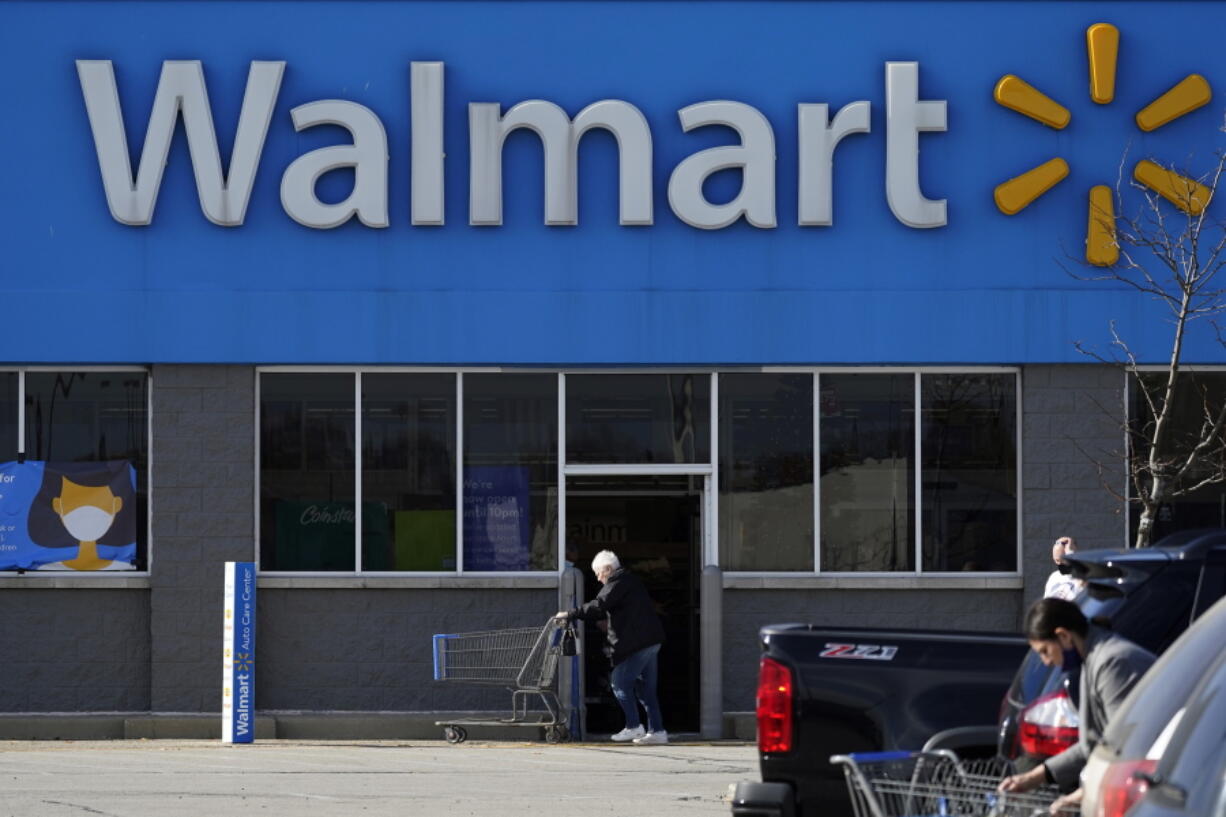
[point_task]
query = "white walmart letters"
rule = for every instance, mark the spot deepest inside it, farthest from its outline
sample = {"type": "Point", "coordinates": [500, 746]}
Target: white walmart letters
{"type": "Point", "coordinates": [181, 87]}
{"type": "Point", "coordinates": [224, 197]}
{"type": "Point", "coordinates": [755, 157]}
{"type": "Point", "coordinates": [560, 139]}
{"type": "Point", "coordinates": [367, 156]}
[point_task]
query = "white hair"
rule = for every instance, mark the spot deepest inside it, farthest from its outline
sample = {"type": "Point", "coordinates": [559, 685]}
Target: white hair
{"type": "Point", "coordinates": [603, 559]}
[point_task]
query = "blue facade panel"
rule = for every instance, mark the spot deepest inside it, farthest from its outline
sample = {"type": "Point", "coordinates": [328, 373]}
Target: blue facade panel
{"type": "Point", "coordinates": [986, 288]}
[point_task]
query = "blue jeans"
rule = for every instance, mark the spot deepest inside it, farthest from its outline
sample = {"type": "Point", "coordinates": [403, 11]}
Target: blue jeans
{"type": "Point", "coordinates": [636, 678]}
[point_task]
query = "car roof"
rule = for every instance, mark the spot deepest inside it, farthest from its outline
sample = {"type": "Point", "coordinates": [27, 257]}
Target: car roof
{"type": "Point", "coordinates": [1120, 568]}
{"type": "Point", "coordinates": [1191, 544]}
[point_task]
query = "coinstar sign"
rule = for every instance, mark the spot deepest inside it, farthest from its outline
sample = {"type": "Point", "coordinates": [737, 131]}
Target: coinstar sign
{"type": "Point", "coordinates": [238, 654]}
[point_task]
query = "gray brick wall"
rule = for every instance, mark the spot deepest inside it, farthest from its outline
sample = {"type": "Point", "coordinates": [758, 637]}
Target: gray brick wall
{"type": "Point", "coordinates": [1071, 425]}
{"type": "Point", "coordinates": [745, 611]}
{"type": "Point", "coordinates": [203, 487]}
{"type": "Point", "coordinates": [74, 649]}
{"type": "Point", "coordinates": [370, 649]}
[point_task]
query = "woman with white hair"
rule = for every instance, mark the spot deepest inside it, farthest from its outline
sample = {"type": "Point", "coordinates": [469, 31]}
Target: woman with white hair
{"type": "Point", "coordinates": [635, 635]}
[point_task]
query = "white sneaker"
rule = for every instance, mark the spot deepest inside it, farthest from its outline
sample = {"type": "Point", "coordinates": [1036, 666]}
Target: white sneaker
{"type": "Point", "coordinates": [652, 738]}
{"type": "Point", "coordinates": [634, 734]}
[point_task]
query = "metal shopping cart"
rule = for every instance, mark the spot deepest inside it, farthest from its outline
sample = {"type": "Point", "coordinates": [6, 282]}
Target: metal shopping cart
{"type": "Point", "coordinates": [523, 660]}
{"type": "Point", "coordinates": [935, 784]}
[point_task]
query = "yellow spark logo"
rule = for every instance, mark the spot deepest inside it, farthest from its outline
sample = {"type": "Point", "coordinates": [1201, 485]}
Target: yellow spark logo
{"type": "Point", "coordinates": [242, 662]}
{"type": "Point", "coordinates": [1102, 46]}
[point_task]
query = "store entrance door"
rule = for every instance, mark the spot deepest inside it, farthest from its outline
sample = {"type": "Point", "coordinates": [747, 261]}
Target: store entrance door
{"type": "Point", "coordinates": [654, 525]}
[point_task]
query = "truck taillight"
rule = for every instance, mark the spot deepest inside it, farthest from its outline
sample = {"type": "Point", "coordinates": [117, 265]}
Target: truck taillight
{"type": "Point", "coordinates": [774, 707]}
{"type": "Point", "coordinates": [1123, 785]}
{"type": "Point", "coordinates": [1049, 725]}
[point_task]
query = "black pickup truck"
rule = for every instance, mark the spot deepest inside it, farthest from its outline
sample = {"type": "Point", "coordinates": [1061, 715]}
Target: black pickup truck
{"type": "Point", "coordinates": [831, 691]}
{"type": "Point", "coordinates": [825, 691]}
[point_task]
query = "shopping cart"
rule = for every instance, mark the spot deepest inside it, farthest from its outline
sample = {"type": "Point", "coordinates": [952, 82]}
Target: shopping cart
{"type": "Point", "coordinates": [936, 784]}
{"type": "Point", "coordinates": [523, 660]}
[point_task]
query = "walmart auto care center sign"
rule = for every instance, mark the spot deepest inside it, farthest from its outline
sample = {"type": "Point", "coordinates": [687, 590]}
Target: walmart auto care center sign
{"type": "Point", "coordinates": [587, 182]}
{"type": "Point", "coordinates": [238, 653]}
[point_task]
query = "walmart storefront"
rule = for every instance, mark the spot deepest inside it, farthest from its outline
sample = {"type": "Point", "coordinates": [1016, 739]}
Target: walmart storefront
{"type": "Point", "coordinates": [416, 303]}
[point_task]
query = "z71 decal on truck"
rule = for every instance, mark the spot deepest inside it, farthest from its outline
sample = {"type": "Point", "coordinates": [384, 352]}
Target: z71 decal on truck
{"type": "Point", "coordinates": [869, 652]}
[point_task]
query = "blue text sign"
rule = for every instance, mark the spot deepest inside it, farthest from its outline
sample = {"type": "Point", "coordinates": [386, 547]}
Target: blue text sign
{"type": "Point", "coordinates": [238, 651]}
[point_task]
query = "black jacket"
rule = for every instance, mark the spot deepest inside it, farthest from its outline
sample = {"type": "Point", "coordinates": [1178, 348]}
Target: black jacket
{"type": "Point", "coordinates": [633, 623]}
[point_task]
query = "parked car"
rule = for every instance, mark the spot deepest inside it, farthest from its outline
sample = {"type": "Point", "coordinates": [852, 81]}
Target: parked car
{"type": "Point", "coordinates": [826, 691]}
{"type": "Point", "coordinates": [1164, 752]}
{"type": "Point", "coordinates": [1149, 595]}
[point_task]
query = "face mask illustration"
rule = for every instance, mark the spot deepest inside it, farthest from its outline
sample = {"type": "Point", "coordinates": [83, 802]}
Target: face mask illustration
{"type": "Point", "coordinates": [86, 511]}
{"type": "Point", "coordinates": [87, 523]}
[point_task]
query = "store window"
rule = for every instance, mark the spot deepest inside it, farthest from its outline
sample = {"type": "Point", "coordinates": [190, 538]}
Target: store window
{"type": "Point", "coordinates": [358, 470]}
{"type": "Point", "coordinates": [638, 418]}
{"type": "Point", "coordinates": [310, 490]}
{"type": "Point", "coordinates": [76, 489]}
{"type": "Point", "coordinates": [867, 483]}
{"type": "Point", "coordinates": [1198, 394]}
{"type": "Point", "coordinates": [409, 472]}
{"type": "Point", "coordinates": [969, 451]}
{"type": "Point", "coordinates": [766, 472]}
{"type": "Point", "coordinates": [510, 472]}
{"type": "Point", "coordinates": [8, 416]}
{"type": "Point", "coordinates": [307, 472]}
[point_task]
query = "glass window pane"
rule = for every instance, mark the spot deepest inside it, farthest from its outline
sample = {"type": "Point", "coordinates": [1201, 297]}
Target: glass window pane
{"type": "Point", "coordinates": [969, 450]}
{"type": "Point", "coordinates": [510, 472]}
{"type": "Point", "coordinates": [11, 554]}
{"type": "Point", "coordinates": [641, 418]}
{"type": "Point", "coordinates": [867, 472]}
{"type": "Point", "coordinates": [88, 417]}
{"type": "Point", "coordinates": [307, 472]}
{"type": "Point", "coordinates": [408, 471]}
{"type": "Point", "coordinates": [1204, 507]}
{"type": "Point", "coordinates": [8, 416]}
{"type": "Point", "coordinates": [766, 471]}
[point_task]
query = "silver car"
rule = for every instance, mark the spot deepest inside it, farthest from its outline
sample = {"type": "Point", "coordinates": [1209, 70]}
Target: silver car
{"type": "Point", "coordinates": [1164, 752]}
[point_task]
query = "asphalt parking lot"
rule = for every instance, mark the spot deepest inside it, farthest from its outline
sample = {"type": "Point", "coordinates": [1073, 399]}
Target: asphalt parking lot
{"type": "Point", "coordinates": [147, 778]}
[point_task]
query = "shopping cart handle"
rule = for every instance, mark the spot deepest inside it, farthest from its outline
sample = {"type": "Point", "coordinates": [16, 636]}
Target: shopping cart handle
{"type": "Point", "coordinates": [877, 757]}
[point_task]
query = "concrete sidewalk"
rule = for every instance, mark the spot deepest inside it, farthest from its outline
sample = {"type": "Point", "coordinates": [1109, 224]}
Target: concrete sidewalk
{"type": "Point", "coordinates": [148, 778]}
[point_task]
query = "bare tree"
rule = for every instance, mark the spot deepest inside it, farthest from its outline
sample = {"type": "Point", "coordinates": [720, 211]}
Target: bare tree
{"type": "Point", "coordinates": [1170, 249]}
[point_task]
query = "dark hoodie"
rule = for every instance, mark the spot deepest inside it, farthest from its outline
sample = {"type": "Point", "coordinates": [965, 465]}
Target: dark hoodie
{"type": "Point", "coordinates": [633, 623]}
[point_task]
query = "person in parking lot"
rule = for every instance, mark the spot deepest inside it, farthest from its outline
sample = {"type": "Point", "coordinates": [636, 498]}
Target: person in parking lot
{"type": "Point", "coordinates": [1110, 665]}
{"type": "Point", "coordinates": [635, 635]}
{"type": "Point", "coordinates": [1061, 585]}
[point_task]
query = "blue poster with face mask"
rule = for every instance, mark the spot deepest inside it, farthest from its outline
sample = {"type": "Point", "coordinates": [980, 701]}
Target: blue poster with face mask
{"type": "Point", "coordinates": [67, 515]}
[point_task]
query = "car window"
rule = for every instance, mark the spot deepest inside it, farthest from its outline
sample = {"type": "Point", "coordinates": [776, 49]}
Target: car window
{"type": "Point", "coordinates": [1166, 687]}
{"type": "Point", "coordinates": [1212, 581]}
